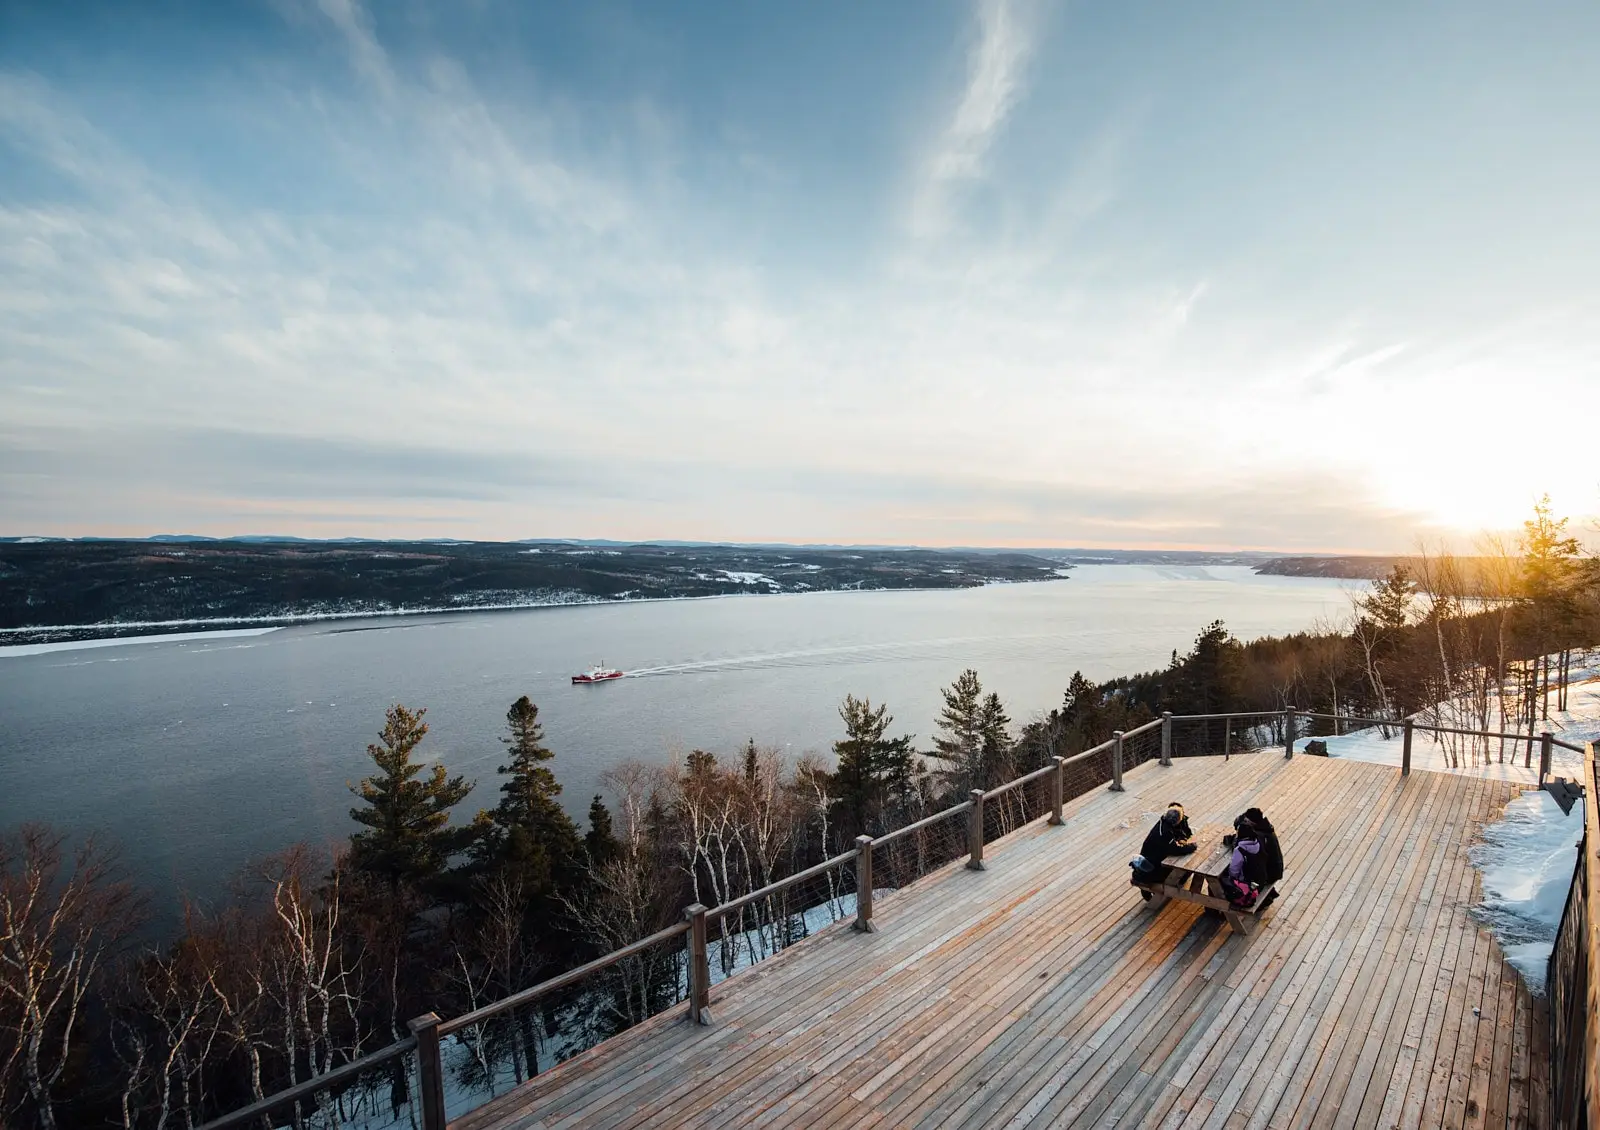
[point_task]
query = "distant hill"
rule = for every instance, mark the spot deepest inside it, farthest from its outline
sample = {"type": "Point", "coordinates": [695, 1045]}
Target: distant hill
{"type": "Point", "coordinates": [1352, 568]}
{"type": "Point", "coordinates": [78, 589]}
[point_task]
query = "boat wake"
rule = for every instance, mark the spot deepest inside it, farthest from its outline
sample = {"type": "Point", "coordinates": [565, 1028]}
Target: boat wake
{"type": "Point", "coordinates": [956, 648]}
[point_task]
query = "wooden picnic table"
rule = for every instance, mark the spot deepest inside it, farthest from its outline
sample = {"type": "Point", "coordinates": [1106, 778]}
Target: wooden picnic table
{"type": "Point", "coordinates": [1197, 877]}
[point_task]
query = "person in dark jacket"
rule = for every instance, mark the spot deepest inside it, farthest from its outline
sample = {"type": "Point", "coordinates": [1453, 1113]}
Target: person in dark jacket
{"type": "Point", "coordinates": [1170, 836]}
{"type": "Point", "coordinates": [1246, 844]}
{"type": "Point", "coordinates": [1257, 860]}
{"type": "Point", "coordinates": [1267, 866]}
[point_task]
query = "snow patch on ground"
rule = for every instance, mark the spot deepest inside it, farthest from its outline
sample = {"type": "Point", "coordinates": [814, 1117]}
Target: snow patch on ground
{"type": "Point", "coordinates": [1577, 724]}
{"type": "Point", "coordinates": [1527, 859]}
{"type": "Point", "coordinates": [739, 577]}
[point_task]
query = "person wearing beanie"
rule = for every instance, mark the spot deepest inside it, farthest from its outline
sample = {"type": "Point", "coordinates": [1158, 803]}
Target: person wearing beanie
{"type": "Point", "coordinates": [1170, 836]}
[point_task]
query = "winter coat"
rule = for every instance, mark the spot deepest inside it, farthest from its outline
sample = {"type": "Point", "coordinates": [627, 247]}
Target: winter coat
{"type": "Point", "coordinates": [1244, 851]}
{"type": "Point", "coordinates": [1168, 838]}
{"type": "Point", "coordinates": [1264, 866]}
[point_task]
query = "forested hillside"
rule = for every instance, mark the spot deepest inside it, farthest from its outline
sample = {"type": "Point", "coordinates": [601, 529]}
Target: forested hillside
{"type": "Point", "coordinates": [129, 585]}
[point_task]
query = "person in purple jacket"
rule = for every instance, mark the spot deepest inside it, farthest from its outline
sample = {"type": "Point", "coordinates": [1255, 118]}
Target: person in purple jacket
{"type": "Point", "coordinates": [1246, 847]}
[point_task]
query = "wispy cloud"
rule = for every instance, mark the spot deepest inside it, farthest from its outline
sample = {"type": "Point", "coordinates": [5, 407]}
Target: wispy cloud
{"type": "Point", "coordinates": [996, 68]}
{"type": "Point", "coordinates": [547, 308]}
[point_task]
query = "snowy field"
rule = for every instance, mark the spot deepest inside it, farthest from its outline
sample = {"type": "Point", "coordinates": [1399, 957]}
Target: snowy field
{"type": "Point", "coordinates": [1526, 859]}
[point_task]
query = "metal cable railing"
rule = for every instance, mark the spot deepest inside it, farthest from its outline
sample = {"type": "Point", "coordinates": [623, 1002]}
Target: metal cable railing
{"type": "Point", "coordinates": [376, 1090]}
{"type": "Point", "coordinates": [681, 963]}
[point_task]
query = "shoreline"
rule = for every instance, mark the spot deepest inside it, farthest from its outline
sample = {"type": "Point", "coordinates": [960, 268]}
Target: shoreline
{"type": "Point", "coordinates": [109, 633]}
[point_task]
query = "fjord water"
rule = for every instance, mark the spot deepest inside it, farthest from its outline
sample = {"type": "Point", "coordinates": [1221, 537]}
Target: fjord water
{"type": "Point", "coordinates": [199, 754]}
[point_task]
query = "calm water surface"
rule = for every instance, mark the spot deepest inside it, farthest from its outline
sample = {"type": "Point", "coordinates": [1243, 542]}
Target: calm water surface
{"type": "Point", "coordinates": [197, 755]}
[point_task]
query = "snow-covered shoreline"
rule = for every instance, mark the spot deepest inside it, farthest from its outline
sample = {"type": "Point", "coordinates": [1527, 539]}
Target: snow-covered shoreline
{"type": "Point", "coordinates": [561, 600]}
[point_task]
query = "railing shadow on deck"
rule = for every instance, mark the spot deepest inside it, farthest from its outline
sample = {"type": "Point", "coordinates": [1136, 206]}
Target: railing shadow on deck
{"type": "Point", "coordinates": [408, 1077]}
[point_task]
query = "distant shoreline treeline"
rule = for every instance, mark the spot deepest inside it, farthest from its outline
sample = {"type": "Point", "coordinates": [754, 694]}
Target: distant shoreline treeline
{"type": "Point", "coordinates": [75, 590]}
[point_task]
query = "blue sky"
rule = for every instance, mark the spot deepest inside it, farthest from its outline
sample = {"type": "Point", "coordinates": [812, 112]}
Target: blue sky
{"type": "Point", "coordinates": [1312, 276]}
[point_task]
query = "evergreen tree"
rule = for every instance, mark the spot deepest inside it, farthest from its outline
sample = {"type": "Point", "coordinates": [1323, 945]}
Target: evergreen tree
{"type": "Point", "coordinates": [1083, 714]}
{"type": "Point", "coordinates": [1551, 579]}
{"type": "Point", "coordinates": [1390, 601]}
{"type": "Point", "coordinates": [533, 835]}
{"type": "Point", "coordinates": [600, 842]}
{"type": "Point", "coordinates": [995, 747]}
{"type": "Point", "coordinates": [409, 839]}
{"type": "Point", "coordinates": [960, 735]}
{"type": "Point", "coordinates": [699, 762]}
{"type": "Point", "coordinates": [874, 770]}
{"type": "Point", "coordinates": [1206, 681]}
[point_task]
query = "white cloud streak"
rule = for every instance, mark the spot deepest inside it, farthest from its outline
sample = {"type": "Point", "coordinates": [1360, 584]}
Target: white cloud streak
{"type": "Point", "coordinates": [996, 68]}
{"type": "Point", "coordinates": [518, 303]}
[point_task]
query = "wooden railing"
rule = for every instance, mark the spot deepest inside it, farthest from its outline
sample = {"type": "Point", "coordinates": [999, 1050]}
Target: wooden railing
{"type": "Point", "coordinates": [694, 930]}
{"type": "Point", "coordinates": [1547, 741]}
{"type": "Point", "coordinates": [1573, 978]}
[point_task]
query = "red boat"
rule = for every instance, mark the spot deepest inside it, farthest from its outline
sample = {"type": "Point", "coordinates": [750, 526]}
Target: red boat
{"type": "Point", "coordinates": [597, 674]}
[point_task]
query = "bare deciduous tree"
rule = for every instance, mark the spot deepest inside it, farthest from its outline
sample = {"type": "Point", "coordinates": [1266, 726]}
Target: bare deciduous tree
{"type": "Point", "coordinates": [61, 914]}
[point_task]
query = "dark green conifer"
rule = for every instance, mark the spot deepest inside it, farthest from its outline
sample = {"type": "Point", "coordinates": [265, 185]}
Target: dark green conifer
{"type": "Point", "coordinates": [874, 770]}
{"type": "Point", "coordinates": [600, 842]}
{"type": "Point", "coordinates": [532, 834]}
{"type": "Point", "coordinates": [409, 838]}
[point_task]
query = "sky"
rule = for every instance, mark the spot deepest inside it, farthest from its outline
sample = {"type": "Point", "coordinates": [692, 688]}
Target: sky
{"type": "Point", "coordinates": [1318, 277]}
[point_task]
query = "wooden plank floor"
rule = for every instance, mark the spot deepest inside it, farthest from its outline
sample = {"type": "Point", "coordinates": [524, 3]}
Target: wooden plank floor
{"type": "Point", "coordinates": [1042, 992]}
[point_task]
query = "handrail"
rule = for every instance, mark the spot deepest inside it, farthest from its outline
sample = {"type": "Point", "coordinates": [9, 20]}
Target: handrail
{"type": "Point", "coordinates": [1572, 982]}
{"type": "Point", "coordinates": [771, 889]}
{"type": "Point", "coordinates": [862, 856]}
{"type": "Point", "coordinates": [560, 981]}
{"type": "Point", "coordinates": [311, 1086]}
{"type": "Point", "coordinates": [925, 822]}
{"type": "Point", "coordinates": [1436, 729]}
{"type": "Point", "coordinates": [1025, 779]}
{"type": "Point", "coordinates": [1227, 717]}
{"type": "Point", "coordinates": [1153, 724]}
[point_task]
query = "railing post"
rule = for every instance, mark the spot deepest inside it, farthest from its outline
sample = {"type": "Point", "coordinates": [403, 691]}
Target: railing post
{"type": "Point", "coordinates": [430, 1070]}
{"type": "Point", "coordinates": [975, 832]}
{"type": "Point", "coordinates": [1227, 737]}
{"type": "Point", "coordinates": [1546, 753]}
{"type": "Point", "coordinates": [1288, 733]}
{"type": "Point", "coordinates": [1166, 737]}
{"type": "Point", "coordinates": [1116, 761]}
{"type": "Point", "coordinates": [864, 885]}
{"type": "Point", "coordinates": [1058, 788]}
{"type": "Point", "coordinates": [699, 966]}
{"type": "Point", "coordinates": [1405, 750]}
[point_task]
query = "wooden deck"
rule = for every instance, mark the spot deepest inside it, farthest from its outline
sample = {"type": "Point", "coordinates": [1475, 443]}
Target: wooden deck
{"type": "Point", "coordinates": [1042, 992]}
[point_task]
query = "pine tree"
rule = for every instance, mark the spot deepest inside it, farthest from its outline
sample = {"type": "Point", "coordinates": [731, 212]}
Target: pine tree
{"type": "Point", "coordinates": [532, 832]}
{"type": "Point", "coordinates": [996, 745]}
{"type": "Point", "coordinates": [959, 738]}
{"type": "Point", "coordinates": [1206, 681]}
{"type": "Point", "coordinates": [874, 770]}
{"type": "Point", "coordinates": [1550, 582]}
{"type": "Point", "coordinates": [410, 841]}
{"type": "Point", "coordinates": [1083, 712]}
{"type": "Point", "coordinates": [600, 842]}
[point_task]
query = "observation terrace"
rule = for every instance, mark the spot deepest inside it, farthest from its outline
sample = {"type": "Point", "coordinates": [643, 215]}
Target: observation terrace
{"type": "Point", "coordinates": [1042, 991]}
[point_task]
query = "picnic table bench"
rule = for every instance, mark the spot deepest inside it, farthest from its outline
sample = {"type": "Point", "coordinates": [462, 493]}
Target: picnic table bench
{"type": "Point", "coordinates": [1197, 878]}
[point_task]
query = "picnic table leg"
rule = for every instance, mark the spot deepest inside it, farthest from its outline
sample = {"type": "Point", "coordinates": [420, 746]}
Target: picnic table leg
{"type": "Point", "coordinates": [1158, 899]}
{"type": "Point", "coordinates": [1241, 923]}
